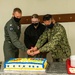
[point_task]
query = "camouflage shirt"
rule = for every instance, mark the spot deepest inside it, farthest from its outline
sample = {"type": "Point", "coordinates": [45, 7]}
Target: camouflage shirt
{"type": "Point", "coordinates": [57, 42]}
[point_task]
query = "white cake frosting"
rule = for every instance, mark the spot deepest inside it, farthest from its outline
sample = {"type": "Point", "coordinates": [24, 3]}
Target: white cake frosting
{"type": "Point", "coordinates": [24, 64]}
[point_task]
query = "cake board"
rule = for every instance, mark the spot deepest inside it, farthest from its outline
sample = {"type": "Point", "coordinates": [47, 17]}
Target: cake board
{"type": "Point", "coordinates": [2, 72]}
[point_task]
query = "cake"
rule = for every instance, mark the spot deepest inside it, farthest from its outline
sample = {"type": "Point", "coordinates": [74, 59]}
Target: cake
{"type": "Point", "coordinates": [25, 64]}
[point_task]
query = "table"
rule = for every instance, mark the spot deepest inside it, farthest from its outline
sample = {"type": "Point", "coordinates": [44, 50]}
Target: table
{"type": "Point", "coordinates": [56, 68]}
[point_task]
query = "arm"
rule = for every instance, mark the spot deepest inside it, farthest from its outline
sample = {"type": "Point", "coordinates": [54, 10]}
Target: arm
{"type": "Point", "coordinates": [14, 38]}
{"type": "Point", "coordinates": [42, 39]}
{"type": "Point", "coordinates": [27, 40]}
{"type": "Point", "coordinates": [53, 42]}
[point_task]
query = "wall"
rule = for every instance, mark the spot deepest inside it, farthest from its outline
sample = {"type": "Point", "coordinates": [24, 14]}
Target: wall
{"type": "Point", "coordinates": [41, 7]}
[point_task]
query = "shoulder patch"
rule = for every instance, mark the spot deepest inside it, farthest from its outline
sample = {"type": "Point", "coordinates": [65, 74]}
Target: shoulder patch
{"type": "Point", "coordinates": [11, 27]}
{"type": "Point", "coordinates": [10, 24]}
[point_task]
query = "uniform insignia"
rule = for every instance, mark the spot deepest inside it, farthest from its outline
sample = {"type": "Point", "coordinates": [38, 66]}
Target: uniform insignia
{"type": "Point", "coordinates": [10, 24]}
{"type": "Point", "coordinates": [11, 27]}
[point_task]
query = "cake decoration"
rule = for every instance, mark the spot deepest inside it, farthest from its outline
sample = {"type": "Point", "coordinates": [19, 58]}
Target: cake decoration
{"type": "Point", "coordinates": [25, 64]}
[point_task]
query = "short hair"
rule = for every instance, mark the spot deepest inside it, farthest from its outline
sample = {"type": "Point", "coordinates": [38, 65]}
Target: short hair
{"type": "Point", "coordinates": [47, 17]}
{"type": "Point", "coordinates": [18, 10]}
{"type": "Point", "coordinates": [35, 16]}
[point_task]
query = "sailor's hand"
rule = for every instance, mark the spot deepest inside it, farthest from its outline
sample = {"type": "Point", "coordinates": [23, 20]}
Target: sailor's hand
{"type": "Point", "coordinates": [34, 49]}
{"type": "Point", "coordinates": [30, 52]}
{"type": "Point", "coordinates": [36, 52]}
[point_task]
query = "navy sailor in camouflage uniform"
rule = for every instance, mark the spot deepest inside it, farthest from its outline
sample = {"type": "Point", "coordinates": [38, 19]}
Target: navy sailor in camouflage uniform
{"type": "Point", "coordinates": [57, 46]}
{"type": "Point", "coordinates": [12, 34]}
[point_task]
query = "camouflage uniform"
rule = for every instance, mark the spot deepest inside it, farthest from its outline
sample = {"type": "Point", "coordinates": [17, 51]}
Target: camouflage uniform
{"type": "Point", "coordinates": [57, 45]}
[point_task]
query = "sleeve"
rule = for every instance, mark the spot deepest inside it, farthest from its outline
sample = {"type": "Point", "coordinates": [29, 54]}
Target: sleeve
{"type": "Point", "coordinates": [14, 38]}
{"type": "Point", "coordinates": [27, 39]}
{"type": "Point", "coordinates": [42, 39]}
{"type": "Point", "coordinates": [53, 42]}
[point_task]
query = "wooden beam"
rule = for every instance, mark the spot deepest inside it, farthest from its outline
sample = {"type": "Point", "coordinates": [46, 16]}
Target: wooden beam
{"type": "Point", "coordinates": [58, 17]}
